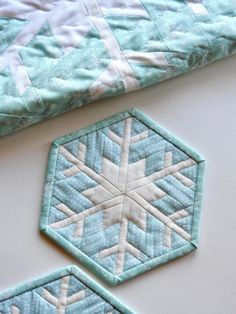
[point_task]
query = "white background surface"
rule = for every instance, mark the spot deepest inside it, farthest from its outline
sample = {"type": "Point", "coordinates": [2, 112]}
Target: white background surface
{"type": "Point", "coordinates": [200, 108]}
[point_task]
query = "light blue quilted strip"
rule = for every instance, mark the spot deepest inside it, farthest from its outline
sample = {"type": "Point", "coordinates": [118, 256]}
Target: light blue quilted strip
{"type": "Point", "coordinates": [59, 55]}
{"type": "Point", "coordinates": [68, 290]}
{"type": "Point", "coordinates": [123, 196]}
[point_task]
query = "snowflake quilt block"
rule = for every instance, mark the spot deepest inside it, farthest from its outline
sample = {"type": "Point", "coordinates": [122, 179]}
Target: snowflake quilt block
{"type": "Point", "coordinates": [57, 55]}
{"type": "Point", "coordinates": [66, 291]}
{"type": "Point", "coordinates": [123, 196]}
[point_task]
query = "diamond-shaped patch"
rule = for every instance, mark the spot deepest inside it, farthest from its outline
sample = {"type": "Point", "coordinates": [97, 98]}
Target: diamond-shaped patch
{"type": "Point", "coordinates": [123, 196]}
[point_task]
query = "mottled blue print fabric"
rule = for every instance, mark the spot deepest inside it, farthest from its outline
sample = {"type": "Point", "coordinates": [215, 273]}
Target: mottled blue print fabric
{"type": "Point", "coordinates": [59, 55]}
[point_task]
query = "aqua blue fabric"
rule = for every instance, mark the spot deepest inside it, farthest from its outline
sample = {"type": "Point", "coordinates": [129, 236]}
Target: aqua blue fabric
{"type": "Point", "coordinates": [75, 52]}
{"type": "Point", "coordinates": [66, 291]}
{"type": "Point", "coordinates": [123, 196]}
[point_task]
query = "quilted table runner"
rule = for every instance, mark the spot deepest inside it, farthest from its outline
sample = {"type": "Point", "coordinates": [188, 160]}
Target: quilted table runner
{"type": "Point", "coordinates": [123, 196]}
{"type": "Point", "coordinates": [66, 291]}
{"type": "Point", "coordinates": [56, 55]}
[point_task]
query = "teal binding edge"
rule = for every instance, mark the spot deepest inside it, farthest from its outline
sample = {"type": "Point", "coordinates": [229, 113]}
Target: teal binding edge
{"type": "Point", "coordinates": [69, 270]}
{"type": "Point", "coordinates": [84, 259]}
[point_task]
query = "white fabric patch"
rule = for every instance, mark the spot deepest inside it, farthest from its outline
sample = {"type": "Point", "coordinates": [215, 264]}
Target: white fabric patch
{"type": "Point", "coordinates": [110, 171]}
{"type": "Point", "coordinates": [76, 297]}
{"type": "Point", "coordinates": [97, 194]}
{"type": "Point", "coordinates": [198, 8]}
{"type": "Point", "coordinates": [65, 209]}
{"type": "Point", "coordinates": [139, 137]}
{"type": "Point", "coordinates": [71, 36]}
{"type": "Point", "coordinates": [15, 310]}
{"type": "Point", "coordinates": [114, 137]}
{"type": "Point", "coordinates": [136, 170]}
{"type": "Point", "coordinates": [24, 9]}
{"type": "Point", "coordinates": [123, 7]}
{"type": "Point", "coordinates": [20, 75]}
{"type": "Point", "coordinates": [187, 182]}
{"type": "Point", "coordinates": [71, 171]}
{"type": "Point", "coordinates": [63, 300]}
{"type": "Point", "coordinates": [150, 190]}
{"type": "Point", "coordinates": [146, 58]}
{"type": "Point", "coordinates": [167, 159]}
{"type": "Point", "coordinates": [104, 81]}
{"type": "Point", "coordinates": [81, 152]}
{"type": "Point", "coordinates": [124, 159]}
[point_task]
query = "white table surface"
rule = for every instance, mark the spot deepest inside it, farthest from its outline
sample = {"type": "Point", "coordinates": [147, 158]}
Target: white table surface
{"type": "Point", "coordinates": [200, 108]}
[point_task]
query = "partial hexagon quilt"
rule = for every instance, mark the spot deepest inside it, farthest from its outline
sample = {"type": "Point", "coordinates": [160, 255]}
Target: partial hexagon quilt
{"type": "Point", "coordinates": [66, 291]}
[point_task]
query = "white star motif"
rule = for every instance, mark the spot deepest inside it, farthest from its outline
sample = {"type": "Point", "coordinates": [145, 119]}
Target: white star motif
{"type": "Point", "coordinates": [124, 193]}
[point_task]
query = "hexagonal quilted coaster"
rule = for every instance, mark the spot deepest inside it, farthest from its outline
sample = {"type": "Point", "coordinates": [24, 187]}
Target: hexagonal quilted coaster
{"type": "Point", "coordinates": [123, 196]}
{"type": "Point", "coordinates": [68, 290]}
